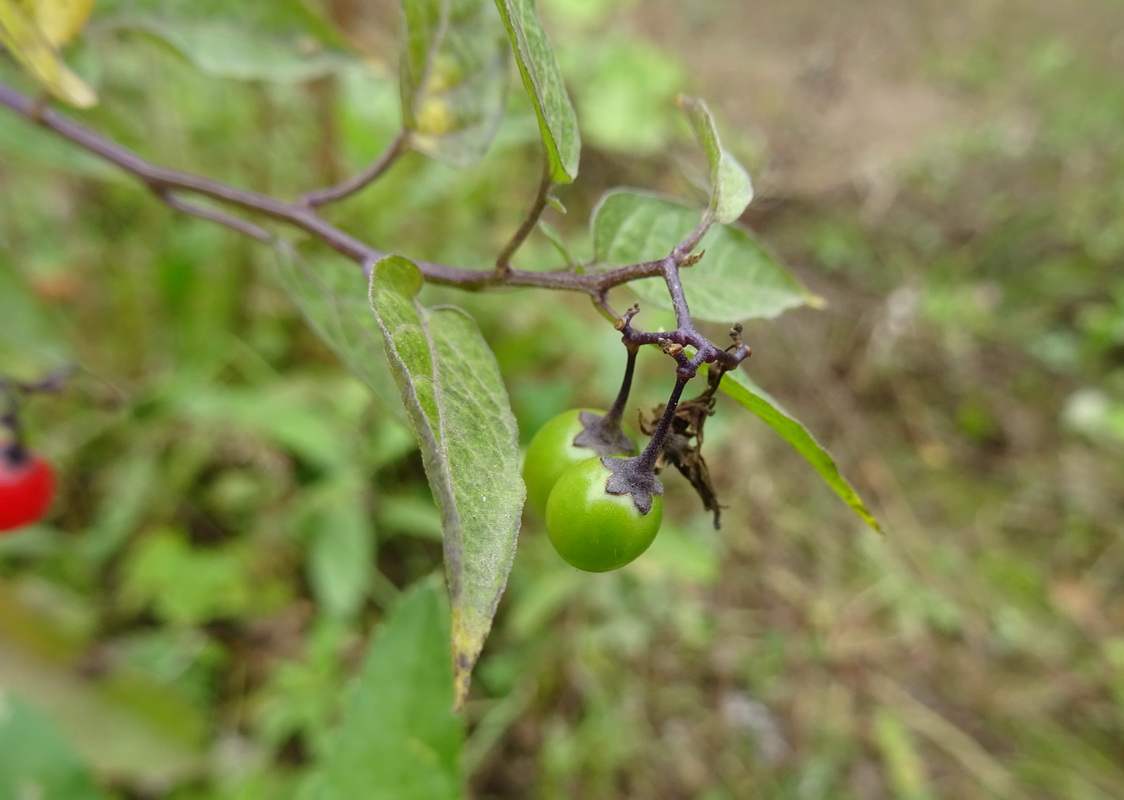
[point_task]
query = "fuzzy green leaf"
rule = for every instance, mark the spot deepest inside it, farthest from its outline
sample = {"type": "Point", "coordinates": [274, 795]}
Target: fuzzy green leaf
{"type": "Point", "coordinates": [400, 739]}
{"type": "Point", "coordinates": [738, 279]}
{"type": "Point", "coordinates": [459, 409]}
{"type": "Point", "coordinates": [454, 78]}
{"type": "Point", "coordinates": [730, 187]}
{"type": "Point", "coordinates": [747, 393]}
{"type": "Point", "coordinates": [542, 78]}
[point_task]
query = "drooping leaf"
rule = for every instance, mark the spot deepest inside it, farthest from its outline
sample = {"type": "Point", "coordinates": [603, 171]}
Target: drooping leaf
{"type": "Point", "coordinates": [747, 393]}
{"type": "Point", "coordinates": [332, 295]}
{"type": "Point", "coordinates": [454, 78]}
{"type": "Point", "coordinates": [400, 739]}
{"type": "Point", "coordinates": [458, 406]}
{"type": "Point", "coordinates": [282, 41]}
{"type": "Point", "coordinates": [22, 36]}
{"type": "Point", "coordinates": [542, 78]}
{"type": "Point", "coordinates": [738, 279]}
{"type": "Point", "coordinates": [35, 759]}
{"type": "Point", "coordinates": [730, 187]}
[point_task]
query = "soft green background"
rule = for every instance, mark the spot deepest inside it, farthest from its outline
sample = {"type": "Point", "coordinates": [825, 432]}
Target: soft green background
{"type": "Point", "coordinates": [948, 179]}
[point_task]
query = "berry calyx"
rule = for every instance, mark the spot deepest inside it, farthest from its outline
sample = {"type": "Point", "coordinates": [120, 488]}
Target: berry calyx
{"type": "Point", "coordinates": [570, 438]}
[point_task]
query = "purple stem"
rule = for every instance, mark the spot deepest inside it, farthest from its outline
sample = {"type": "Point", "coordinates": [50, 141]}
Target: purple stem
{"type": "Point", "coordinates": [646, 461]}
{"type": "Point", "coordinates": [398, 148]}
{"type": "Point", "coordinates": [166, 183]}
{"type": "Point", "coordinates": [503, 260]}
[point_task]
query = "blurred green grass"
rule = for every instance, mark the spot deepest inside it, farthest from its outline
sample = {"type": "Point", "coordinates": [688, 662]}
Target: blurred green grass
{"type": "Point", "coordinates": [219, 468]}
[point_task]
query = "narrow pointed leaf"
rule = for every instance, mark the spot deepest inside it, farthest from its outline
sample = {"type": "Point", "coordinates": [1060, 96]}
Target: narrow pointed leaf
{"type": "Point", "coordinates": [542, 78]}
{"type": "Point", "coordinates": [31, 47]}
{"type": "Point", "coordinates": [332, 295]}
{"type": "Point", "coordinates": [459, 409]}
{"type": "Point", "coordinates": [400, 739]}
{"type": "Point", "coordinates": [747, 393]}
{"type": "Point", "coordinates": [730, 187]}
{"type": "Point", "coordinates": [738, 279]}
{"type": "Point", "coordinates": [454, 78]}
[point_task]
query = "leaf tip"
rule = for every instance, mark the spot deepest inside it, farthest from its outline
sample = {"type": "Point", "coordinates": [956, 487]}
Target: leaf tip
{"type": "Point", "coordinates": [466, 650]}
{"type": "Point", "coordinates": [80, 95]}
{"type": "Point", "coordinates": [686, 101]}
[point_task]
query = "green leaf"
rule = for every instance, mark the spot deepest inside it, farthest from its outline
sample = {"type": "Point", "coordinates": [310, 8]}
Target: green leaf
{"type": "Point", "coordinates": [281, 42]}
{"type": "Point", "coordinates": [730, 186]}
{"type": "Point", "coordinates": [341, 555]}
{"type": "Point", "coordinates": [400, 739]}
{"type": "Point", "coordinates": [542, 78]}
{"type": "Point", "coordinates": [557, 241]}
{"type": "Point", "coordinates": [454, 78]}
{"type": "Point", "coordinates": [35, 759]}
{"type": "Point", "coordinates": [286, 418]}
{"type": "Point", "coordinates": [738, 279]}
{"type": "Point", "coordinates": [460, 412]}
{"type": "Point", "coordinates": [332, 295]}
{"type": "Point", "coordinates": [186, 585]}
{"type": "Point", "coordinates": [745, 391]}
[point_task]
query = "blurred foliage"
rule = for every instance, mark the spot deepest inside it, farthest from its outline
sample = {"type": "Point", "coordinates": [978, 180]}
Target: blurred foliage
{"type": "Point", "coordinates": [238, 514]}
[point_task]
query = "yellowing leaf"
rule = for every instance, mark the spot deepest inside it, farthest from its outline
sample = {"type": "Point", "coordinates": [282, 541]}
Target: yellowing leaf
{"type": "Point", "coordinates": [32, 48]}
{"type": "Point", "coordinates": [434, 118]}
{"type": "Point", "coordinates": [454, 78]}
{"type": "Point", "coordinates": [59, 20]}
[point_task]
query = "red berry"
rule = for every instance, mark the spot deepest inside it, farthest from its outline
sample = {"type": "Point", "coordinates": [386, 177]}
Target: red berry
{"type": "Point", "coordinates": [27, 486]}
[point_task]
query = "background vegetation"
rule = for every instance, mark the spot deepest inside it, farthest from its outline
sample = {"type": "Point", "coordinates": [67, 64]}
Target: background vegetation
{"type": "Point", "coordinates": [237, 515]}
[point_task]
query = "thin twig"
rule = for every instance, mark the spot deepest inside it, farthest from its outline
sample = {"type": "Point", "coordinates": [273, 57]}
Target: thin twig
{"type": "Point", "coordinates": [214, 215]}
{"type": "Point", "coordinates": [162, 181]}
{"type": "Point", "coordinates": [398, 148]}
{"type": "Point", "coordinates": [503, 260]}
{"type": "Point", "coordinates": [646, 461]}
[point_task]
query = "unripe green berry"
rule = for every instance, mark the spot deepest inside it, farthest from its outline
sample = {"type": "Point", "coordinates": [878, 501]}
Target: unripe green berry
{"type": "Point", "coordinates": [552, 452]}
{"type": "Point", "coordinates": [592, 529]}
